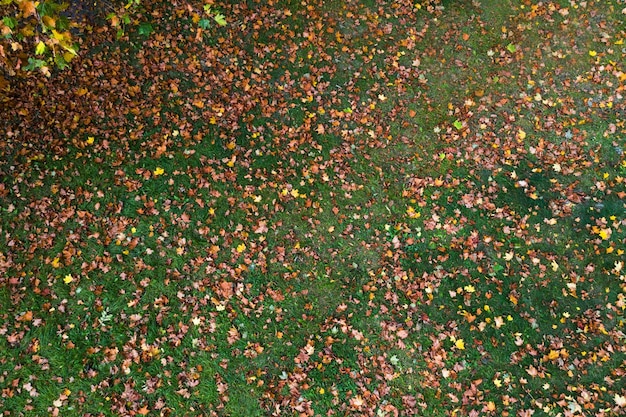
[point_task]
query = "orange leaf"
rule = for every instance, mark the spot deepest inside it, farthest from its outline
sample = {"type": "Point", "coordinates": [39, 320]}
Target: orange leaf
{"type": "Point", "coordinates": [28, 316]}
{"type": "Point", "coordinates": [49, 22]}
{"type": "Point", "coordinates": [28, 8]}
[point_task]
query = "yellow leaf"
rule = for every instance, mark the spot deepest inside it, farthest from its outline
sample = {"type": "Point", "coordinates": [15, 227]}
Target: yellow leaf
{"type": "Point", "coordinates": [69, 55]}
{"type": "Point", "coordinates": [56, 263]}
{"type": "Point", "coordinates": [592, 53]}
{"type": "Point", "coordinates": [521, 135]}
{"type": "Point", "coordinates": [553, 354]}
{"type": "Point", "coordinates": [58, 35]}
{"type": "Point", "coordinates": [158, 171]}
{"type": "Point", "coordinates": [40, 48]}
{"type": "Point", "coordinates": [68, 278]}
{"type": "Point", "coordinates": [554, 265]}
{"type": "Point", "coordinates": [90, 140]}
{"type": "Point", "coordinates": [241, 248]}
{"type": "Point", "coordinates": [459, 344]}
{"type": "Point", "coordinates": [469, 288]}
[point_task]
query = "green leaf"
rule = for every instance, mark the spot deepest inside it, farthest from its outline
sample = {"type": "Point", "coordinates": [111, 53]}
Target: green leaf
{"type": "Point", "coordinates": [63, 23]}
{"type": "Point", "coordinates": [511, 48]}
{"type": "Point", "coordinates": [11, 22]}
{"type": "Point", "coordinates": [40, 48]}
{"type": "Point", "coordinates": [458, 124]}
{"type": "Point", "coordinates": [34, 64]}
{"type": "Point", "coordinates": [204, 23]}
{"type": "Point", "coordinates": [145, 29]}
{"type": "Point", "coordinates": [220, 19]}
{"type": "Point", "coordinates": [60, 62]}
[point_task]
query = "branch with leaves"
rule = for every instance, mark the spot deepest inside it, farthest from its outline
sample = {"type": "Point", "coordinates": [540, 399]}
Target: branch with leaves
{"type": "Point", "coordinates": [35, 35]}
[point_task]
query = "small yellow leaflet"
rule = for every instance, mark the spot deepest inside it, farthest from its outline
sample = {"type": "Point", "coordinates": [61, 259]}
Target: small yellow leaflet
{"type": "Point", "coordinates": [40, 48]}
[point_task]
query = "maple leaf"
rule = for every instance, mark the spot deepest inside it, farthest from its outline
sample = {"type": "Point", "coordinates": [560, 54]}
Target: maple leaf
{"type": "Point", "coordinates": [28, 8]}
{"type": "Point", "coordinates": [357, 402]}
{"type": "Point", "coordinates": [261, 228]}
{"type": "Point", "coordinates": [233, 335]}
{"type": "Point", "coordinates": [459, 344]}
{"type": "Point", "coordinates": [554, 265]}
{"type": "Point", "coordinates": [620, 400]}
{"type": "Point", "coordinates": [553, 354]}
{"type": "Point", "coordinates": [220, 19]}
{"type": "Point", "coordinates": [532, 371]}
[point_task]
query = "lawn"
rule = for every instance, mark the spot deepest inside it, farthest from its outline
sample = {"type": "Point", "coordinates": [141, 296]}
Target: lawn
{"type": "Point", "coordinates": [349, 208]}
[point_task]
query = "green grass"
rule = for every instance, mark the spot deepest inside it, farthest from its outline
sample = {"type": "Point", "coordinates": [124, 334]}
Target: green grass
{"type": "Point", "coordinates": [235, 258]}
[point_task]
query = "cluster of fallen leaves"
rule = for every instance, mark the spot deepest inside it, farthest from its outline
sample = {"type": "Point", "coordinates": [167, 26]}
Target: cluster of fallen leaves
{"type": "Point", "coordinates": [322, 207]}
